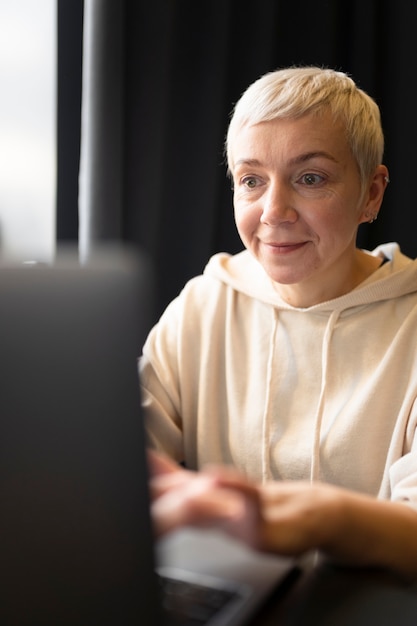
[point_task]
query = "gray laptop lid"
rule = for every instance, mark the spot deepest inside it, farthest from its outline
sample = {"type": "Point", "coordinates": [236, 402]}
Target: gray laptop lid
{"type": "Point", "coordinates": [74, 528]}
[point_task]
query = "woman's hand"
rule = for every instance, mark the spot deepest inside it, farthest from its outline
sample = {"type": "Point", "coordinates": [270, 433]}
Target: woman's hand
{"type": "Point", "coordinates": [214, 497]}
{"type": "Point", "coordinates": [288, 518]}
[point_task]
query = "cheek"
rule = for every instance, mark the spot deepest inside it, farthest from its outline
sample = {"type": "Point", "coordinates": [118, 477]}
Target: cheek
{"type": "Point", "coordinates": [246, 218]}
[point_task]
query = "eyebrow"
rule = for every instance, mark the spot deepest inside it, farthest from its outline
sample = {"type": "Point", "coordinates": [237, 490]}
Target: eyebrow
{"type": "Point", "coordinates": [300, 158]}
{"type": "Point", "coordinates": [308, 156]}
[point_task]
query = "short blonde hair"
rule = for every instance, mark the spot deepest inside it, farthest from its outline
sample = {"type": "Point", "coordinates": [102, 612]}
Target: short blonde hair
{"type": "Point", "coordinates": [297, 91]}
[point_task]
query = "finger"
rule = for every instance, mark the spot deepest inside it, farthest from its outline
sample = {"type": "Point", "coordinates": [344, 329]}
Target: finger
{"type": "Point", "coordinates": [229, 477]}
{"type": "Point", "coordinates": [202, 503]}
{"type": "Point", "coordinates": [159, 463]}
{"type": "Point", "coordinates": [189, 503]}
{"type": "Point", "coordinates": [162, 483]}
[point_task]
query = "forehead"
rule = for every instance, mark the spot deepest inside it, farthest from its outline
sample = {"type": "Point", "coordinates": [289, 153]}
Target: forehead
{"type": "Point", "coordinates": [287, 138]}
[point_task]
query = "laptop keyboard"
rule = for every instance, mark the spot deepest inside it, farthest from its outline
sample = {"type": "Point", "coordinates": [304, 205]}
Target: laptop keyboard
{"type": "Point", "coordinates": [186, 603]}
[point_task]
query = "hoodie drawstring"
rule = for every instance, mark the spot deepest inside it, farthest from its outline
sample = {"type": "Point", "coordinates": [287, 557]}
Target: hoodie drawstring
{"type": "Point", "coordinates": [315, 454]}
{"type": "Point", "coordinates": [266, 420]}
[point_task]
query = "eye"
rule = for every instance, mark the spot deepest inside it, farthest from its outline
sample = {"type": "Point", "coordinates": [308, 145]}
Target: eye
{"type": "Point", "coordinates": [310, 179]}
{"type": "Point", "coordinates": [250, 182]}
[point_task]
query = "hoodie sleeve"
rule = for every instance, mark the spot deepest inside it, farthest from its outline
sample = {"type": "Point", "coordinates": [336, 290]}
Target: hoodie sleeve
{"type": "Point", "coordinates": [172, 367]}
{"type": "Point", "coordinates": [158, 372]}
{"type": "Point", "coordinates": [403, 472]}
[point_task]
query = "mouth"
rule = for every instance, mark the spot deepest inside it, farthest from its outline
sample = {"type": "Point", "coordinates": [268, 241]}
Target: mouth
{"type": "Point", "coordinates": [284, 247]}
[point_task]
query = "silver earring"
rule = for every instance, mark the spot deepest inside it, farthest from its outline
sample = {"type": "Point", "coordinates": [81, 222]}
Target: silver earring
{"type": "Point", "coordinates": [373, 218]}
{"type": "Point", "coordinates": [386, 179]}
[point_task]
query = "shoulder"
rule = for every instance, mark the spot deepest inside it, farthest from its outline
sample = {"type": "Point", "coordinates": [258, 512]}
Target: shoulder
{"type": "Point", "coordinates": [204, 301]}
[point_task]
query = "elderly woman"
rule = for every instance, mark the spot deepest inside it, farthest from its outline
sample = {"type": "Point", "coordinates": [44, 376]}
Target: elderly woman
{"type": "Point", "coordinates": [294, 361]}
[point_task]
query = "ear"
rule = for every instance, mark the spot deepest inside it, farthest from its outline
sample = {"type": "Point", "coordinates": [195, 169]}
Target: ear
{"type": "Point", "coordinates": [374, 194]}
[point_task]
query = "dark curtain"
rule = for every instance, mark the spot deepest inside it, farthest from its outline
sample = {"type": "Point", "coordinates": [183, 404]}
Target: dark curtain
{"type": "Point", "coordinates": [159, 82]}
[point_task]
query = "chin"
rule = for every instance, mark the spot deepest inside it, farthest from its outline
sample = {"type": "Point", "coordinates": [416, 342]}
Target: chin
{"type": "Point", "coordinates": [284, 278]}
{"type": "Point", "coordinates": [287, 274]}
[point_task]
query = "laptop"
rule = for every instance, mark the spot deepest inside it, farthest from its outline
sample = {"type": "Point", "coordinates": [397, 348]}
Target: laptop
{"type": "Point", "coordinates": [76, 536]}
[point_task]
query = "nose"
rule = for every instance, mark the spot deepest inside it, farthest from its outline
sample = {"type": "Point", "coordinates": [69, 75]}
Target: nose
{"type": "Point", "coordinates": [277, 205]}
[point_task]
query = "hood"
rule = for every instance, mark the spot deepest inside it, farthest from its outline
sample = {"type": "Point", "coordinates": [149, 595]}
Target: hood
{"type": "Point", "coordinates": [244, 273]}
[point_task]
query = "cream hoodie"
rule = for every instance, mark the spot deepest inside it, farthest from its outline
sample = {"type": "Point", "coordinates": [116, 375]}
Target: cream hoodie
{"type": "Point", "coordinates": [232, 374]}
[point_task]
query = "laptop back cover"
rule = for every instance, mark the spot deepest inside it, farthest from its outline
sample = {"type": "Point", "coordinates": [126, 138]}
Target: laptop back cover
{"type": "Point", "coordinates": [75, 533]}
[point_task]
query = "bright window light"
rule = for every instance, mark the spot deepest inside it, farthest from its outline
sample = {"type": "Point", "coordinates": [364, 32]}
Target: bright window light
{"type": "Point", "coordinates": [27, 129]}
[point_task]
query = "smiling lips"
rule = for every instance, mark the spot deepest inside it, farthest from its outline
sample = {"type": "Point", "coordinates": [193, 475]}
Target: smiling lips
{"type": "Point", "coordinates": [283, 248]}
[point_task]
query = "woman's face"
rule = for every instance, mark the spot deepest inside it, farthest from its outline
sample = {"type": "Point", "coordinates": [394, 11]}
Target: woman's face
{"type": "Point", "coordinates": [298, 204]}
